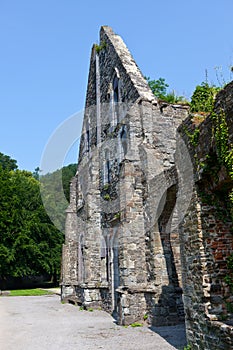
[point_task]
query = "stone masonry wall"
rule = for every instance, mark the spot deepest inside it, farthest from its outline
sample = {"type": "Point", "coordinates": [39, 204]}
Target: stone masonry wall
{"type": "Point", "coordinates": [206, 238]}
{"type": "Point", "coordinates": [120, 253]}
{"type": "Point", "coordinates": [149, 216]}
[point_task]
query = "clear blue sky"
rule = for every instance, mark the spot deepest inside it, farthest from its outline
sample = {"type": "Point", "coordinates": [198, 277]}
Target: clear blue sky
{"type": "Point", "coordinates": [45, 51]}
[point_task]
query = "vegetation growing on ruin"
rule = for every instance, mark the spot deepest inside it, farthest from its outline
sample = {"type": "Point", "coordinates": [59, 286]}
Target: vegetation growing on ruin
{"type": "Point", "coordinates": [100, 47]}
{"type": "Point", "coordinates": [223, 147]}
{"type": "Point", "coordinates": [229, 277]}
{"type": "Point", "coordinates": [203, 98]}
{"type": "Point", "coordinates": [203, 101]}
{"type": "Point", "coordinates": [107, 197]}
{"type": "Point", "coordinates": [136, 324]}
{"type": "Point", "coordinates": [188, 347]}
{"type": "Point", "coordinates": [193, 137]}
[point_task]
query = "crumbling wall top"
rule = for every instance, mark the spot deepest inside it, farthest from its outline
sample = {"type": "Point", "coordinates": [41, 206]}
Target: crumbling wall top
{"type": "Point", "coordinates": [128, 62]}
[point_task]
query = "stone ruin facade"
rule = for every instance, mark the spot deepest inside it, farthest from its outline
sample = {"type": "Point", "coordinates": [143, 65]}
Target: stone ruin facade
{"type": "Point", "coordinates": [141, 242]}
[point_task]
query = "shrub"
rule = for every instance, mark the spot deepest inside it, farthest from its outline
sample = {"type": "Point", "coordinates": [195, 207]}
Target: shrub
{"type": "Point", "coordinates": [203, 97]}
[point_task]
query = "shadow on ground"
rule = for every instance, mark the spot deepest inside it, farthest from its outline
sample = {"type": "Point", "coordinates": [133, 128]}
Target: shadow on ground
{"type": "Point", "coordinates": [174, 335]}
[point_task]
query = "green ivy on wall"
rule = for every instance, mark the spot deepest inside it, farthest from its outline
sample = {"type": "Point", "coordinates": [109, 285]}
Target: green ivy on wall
{"type": "Point", "coordinates": [203, 102]}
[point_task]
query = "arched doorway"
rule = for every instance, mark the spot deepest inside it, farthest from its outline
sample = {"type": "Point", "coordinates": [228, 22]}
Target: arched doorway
{"type": "Point", "coordinates": [165, 265]}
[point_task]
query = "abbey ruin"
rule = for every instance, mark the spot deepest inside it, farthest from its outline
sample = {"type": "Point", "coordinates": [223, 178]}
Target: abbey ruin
{"type": "Point", "coordinates": [149, 228]}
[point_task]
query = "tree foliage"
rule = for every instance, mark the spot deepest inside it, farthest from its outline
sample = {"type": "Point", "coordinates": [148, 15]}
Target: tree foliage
{"type": "Point", "coordinates": [203, 97]}
{"type": "Point", "coordinates": [30, 244]}
{"type": "Point", "coordinates": [159, 89]}
{"type": "Point", "coordinates": [55, 190]}
{"type": "Point", "coordinates": [7, 162]}
{"type": "Point", "coordinates": [67, 173]}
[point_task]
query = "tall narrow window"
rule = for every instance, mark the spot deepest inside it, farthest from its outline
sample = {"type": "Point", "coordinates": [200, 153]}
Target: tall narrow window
{"type": "Point", "coordinates": [107, 168]}
{"type": "Point", "coordinates": [116, 98]}
{"type": "Point", "coordinates": [88, 140]}
{"type": "Point", "coordinates": [87, 136]}
{"type": "Point", "coordinates": [104, 259]}
{"type": "Point", "coordinates": [123, 136]}
{"type": "Point", "coordinates": [81, 266]}
{"type": "Point", "coordinates": [116, 89]}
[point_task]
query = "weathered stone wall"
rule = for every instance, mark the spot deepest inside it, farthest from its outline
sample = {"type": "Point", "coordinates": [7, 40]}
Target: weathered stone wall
{"type": "Point", "coordinates": [115, 58]}
{"type": "Point", "coordinates": [148, 213]}
{"type": "Point", "coordinates": [206, 236]}
{"type": "Point", "coordinates": [205, 240]}
{"type": "Point", "coordinates": [122, 260]}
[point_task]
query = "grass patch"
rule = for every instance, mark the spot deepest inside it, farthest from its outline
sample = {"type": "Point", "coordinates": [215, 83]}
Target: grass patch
{"type": "Point", "coordinates": [136, 324]}
{"type": "Point", "coordinates": [29, 292]}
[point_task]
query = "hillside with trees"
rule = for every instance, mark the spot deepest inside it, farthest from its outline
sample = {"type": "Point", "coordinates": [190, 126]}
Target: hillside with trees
{"type": "Point", "coordinates": [30, 243]}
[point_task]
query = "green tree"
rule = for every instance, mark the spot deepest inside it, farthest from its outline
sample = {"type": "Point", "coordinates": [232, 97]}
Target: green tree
{"type": "Point", "coordinates": [7, 162]}
{"type": "Point", "coordinates": [29, 242]}
{"type": "Point", "coordinates": [55, 190]}
{"type": "Point", "coordinates": [159, 89]}
{"type": "Point", "coordinates": [67, 173]}
{"type": "Point", "coordinates": [36, 173]}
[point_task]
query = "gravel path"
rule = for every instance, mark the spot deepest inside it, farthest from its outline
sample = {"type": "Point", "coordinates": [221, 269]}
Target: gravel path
{"type": "Point", "coordinates": [44, 323]}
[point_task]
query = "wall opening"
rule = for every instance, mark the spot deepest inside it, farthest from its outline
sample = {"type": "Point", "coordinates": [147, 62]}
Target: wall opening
{"type": "Point", "coordinates": [81, 265]}
{"type": "Point", "coordinates": [123, 136]}
{"type": "Point", "coordinates": [166, 267]}
{"type": "Point", "coordinates": [115, 276]}
{"type": "Point", "coordinates": [116, 98]}
{"type": "Point", "coordinates": [168, 243]}
{"type": "Point", "coordinates": [106, 167]}
{"type": "Point", "coordinates": [104, 256]}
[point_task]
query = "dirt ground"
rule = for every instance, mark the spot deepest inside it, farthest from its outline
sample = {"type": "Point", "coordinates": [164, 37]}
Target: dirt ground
{"type": "Point", "coordinates": [44, 323]}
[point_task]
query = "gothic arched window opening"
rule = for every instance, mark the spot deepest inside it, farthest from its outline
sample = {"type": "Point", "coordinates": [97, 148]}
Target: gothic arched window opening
{"type": "Point", "coordinates": [116, 89]}
{"type": "Point", "coordinates": [116, 97]}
